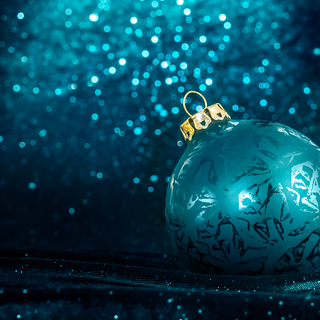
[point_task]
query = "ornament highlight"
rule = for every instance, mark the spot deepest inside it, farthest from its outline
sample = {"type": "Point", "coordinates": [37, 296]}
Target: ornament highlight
{"type": "Point", "coordinates": [244, 197]}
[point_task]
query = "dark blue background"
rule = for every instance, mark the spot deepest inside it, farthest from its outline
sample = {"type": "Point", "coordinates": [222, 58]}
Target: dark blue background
{"type": "Point", "coordinates": [85, 162]}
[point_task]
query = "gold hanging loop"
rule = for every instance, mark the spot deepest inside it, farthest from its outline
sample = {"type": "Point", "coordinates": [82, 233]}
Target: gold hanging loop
{"type": "Point", "coordinates": [202, 119]}
{"type": "Point", "coordinates": [184, 101]}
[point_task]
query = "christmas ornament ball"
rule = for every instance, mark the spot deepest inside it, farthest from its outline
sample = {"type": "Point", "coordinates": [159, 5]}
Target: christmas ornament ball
{"type": "Point", "coordinates": [244, 200]}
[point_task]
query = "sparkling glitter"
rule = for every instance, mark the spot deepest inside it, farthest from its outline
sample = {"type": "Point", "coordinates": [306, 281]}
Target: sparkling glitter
{"type": "Point", "coordinates": [226, 38]}
{"type": "Point", "coordinates": [93, 17]}
{"type": "Point", "coordinates": [154, 39]}
{"type": "Point", "coordinates": [316, 51]}
{"type": "Point", "coordinates": [245, 5]}
{"type": "Point", "coordinates": [43, 133]}
{"type": "Point", "coordinates": [164, 64]}
{"type": "Point", "coordinates": [277, 46]}
{"type": "Point", "coordinates": [58, 91]}
{"type": "Point", "coordinates": [163, 113]}
{"type": "Point", "coordinates": [145, 53]}
{"type": "Point", "coordinates": [138, 131]}
{"type": "Point", "coordinates": [306, 90]}
{"type": "Point", "coordinates": [16, 88]}
{"type": "Point", "coordinates": [94, 79]}
{"type": "Point", "coordinates": [92, 48]}
{"type": "Point", "coordinates": [292, 110]}
{"type": "Point", "coordinates": [203, 39]}
{"type": "Point", "coordinates": [263, 102]}
{"type": "Point", "coordinates": [139, 33]}
{"type": "Point", "coordinates": [278, 67]}
{"type": "Point", "coordinates": [97, 89]}
{"type": "Point", "coordinates": [36, 90]}
{"type": "Point", "coordinates": [184, 46]}
{"type": "Point", "coordinates": [133, 20]}
{"type": "Point", "coordinates": [246, 80]}
{"type": "Point", "coordinates": [271, 108]}
{"type": "Point", "coordinates": [154, 178]}
{"type": "Point", "coordinates": [175, 110]}
{"type": "Point", "coordinates": [222, 17]}
{"type": "Point", "coordinates": [105, 47]}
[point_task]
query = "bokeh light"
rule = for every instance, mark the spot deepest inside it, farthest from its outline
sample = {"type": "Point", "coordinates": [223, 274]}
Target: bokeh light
{"type": "Point", "coordinates": [92, 102]}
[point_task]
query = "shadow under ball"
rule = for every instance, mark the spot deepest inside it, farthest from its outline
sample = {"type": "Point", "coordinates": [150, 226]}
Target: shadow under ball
{"type": "Point", "coordinates": [244, 200]}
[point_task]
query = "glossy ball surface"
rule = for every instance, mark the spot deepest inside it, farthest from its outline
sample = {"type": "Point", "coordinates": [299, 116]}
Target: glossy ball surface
{"type": "Point", "coordinates": [244, 199]}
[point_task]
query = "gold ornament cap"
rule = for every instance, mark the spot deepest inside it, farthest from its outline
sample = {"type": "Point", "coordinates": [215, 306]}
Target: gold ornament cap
{"type": "Point", "coordinates": [203, 118]}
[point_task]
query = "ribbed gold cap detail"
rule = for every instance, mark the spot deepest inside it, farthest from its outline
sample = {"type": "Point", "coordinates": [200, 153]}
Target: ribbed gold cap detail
{"type": "Point", "coordinates": [202, 119]}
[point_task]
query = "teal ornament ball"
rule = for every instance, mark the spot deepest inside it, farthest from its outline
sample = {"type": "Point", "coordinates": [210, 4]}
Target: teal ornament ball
{"type": "Point", "coordinates": [244, 200]}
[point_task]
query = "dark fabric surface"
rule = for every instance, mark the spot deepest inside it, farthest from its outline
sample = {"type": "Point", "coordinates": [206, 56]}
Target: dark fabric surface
{"type": "Point", "coordinates": [118, 285]}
